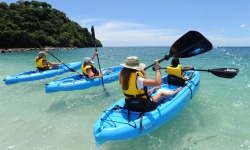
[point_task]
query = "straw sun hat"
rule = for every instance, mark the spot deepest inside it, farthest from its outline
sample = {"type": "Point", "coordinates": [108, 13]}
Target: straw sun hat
{"type": "Point", "coordinates": [133, 62]}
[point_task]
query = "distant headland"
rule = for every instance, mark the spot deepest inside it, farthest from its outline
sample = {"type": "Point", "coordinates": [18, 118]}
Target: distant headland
{"type": "Point", "coordinates": [36, 24]}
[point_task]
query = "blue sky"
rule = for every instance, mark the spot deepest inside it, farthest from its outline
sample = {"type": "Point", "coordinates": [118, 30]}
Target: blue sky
{"type": "Point", "coordinates": [159, 22]}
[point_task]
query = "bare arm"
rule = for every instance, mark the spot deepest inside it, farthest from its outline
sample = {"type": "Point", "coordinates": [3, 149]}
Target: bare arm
{"type": "Point", "coordinates": [50, 63]}
{"type": "Point", "coordinates": [157, 80]}
{"type": "Point", "coordinates": [187, 68]}
{"type": "Point", "coordinates": [91, 75]}
{"type": "Point", "coordinates": [93, 57]}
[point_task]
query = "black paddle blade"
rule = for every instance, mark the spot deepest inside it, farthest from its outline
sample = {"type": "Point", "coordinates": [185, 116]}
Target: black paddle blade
{"type": "Point", "coordinates": [190, 44]}
{"type": "Point", "coordinates": [225, 72]}
{"type": "Point", "coordinates": [93, 33]}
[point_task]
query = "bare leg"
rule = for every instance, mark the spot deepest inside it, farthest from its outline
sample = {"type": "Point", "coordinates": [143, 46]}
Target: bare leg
{"type": "Point", "coordinates": [162, 95]}
{"type": "Point", "coordinates": [153, 89]}
{"type": "Point", "coordinates": [55, 65]}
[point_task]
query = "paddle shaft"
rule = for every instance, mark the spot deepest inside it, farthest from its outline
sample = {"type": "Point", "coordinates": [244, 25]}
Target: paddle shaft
{"type": "Point", "coordinates": [220, 72]}
{"type": "Point", "coordinates": [208, 70]}
{"type": "Point", "coordinates": [93, 37]}
{"type": "Point", "coordinates": [154, 64]}
{"type": "Point", "coordinates": [72, 70]}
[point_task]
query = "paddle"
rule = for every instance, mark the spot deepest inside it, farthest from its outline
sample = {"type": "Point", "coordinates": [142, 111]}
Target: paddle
{"type": "Point", "coordinates": [93, 37]}
{"type": "Point", "coordinates": [72, 70]}
{"type": "Point", "coordinates": [221, 72]}
{"type": "Point", "coordinates": [190, 44]}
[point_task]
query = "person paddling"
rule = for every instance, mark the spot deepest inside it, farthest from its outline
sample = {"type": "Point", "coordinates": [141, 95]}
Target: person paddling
{"type": "Point", "coordinates": [89, 70]}
{"type": "Point", "coordinates": [42, 64]}
{"type": "Point", "coordinates": [134, 85]}
{"type": "Point", "coordinates": [176, 73]}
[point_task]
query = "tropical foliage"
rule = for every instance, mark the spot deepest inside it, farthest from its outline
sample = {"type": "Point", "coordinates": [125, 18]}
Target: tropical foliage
{"type": "Point", "coordinates": [35, 24]}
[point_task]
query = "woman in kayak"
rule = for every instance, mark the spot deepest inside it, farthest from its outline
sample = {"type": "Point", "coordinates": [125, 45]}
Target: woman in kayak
{"type": "Point", "coordinates": [42, 63]}
{"type": "Point", "coordinates": [134, 85]}
{"type": "Point", "coordinates": [89, 70]}
{"type": "Point", "coordinates": [176, 73]}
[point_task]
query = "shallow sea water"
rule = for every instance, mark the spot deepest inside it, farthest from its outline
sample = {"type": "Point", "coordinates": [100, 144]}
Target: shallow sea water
{"type": "Point", "coordinates": [216, 118]}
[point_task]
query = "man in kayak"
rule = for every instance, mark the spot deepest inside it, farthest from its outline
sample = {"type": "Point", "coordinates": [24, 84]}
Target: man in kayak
{"type": "Point", "coordinates": [89, 70]}
{"type": "Point", "coordinates": [176, 73]}
{"type": "Point", "coordinates": [134, 85]}
{"type": "Point", "coordinates": [42, 64]}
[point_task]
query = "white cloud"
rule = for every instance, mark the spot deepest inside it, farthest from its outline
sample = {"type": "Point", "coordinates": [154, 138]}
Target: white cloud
{"type": "Point", "coordinates": [87, 22]}
{"type": "Point", "coordinates": [243, 26]}
{"type": "Point", "coordinates": [120, 25]}
{"type": "Point", "coordinates": [120, 33]}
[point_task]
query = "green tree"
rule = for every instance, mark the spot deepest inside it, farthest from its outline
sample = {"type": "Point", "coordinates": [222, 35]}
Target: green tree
{"type": "Point", "coordinates": [34, 23]}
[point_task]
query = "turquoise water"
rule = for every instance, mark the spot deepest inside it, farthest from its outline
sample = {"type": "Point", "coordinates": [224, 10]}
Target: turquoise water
{"type": "Point", "coordinates": [217, 117]}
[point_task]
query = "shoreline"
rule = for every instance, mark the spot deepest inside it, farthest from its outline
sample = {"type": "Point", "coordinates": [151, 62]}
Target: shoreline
{"type": "Point", "coordinates": [12, 50]}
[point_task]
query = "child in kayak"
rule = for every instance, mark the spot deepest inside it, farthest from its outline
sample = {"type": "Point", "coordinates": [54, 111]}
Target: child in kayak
{"type": "Point", "coordinates": [89, 70]}
{"type": "Point", "coordinates": [176, 73]}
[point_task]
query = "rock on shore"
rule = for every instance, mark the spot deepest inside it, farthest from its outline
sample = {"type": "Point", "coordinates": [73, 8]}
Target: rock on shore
{"type": "Point", "coordinates": [11, 50]}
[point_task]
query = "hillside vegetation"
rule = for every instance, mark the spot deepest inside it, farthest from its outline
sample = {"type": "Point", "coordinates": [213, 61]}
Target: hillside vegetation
{"type": "Point", "coordinates": [36, 24]}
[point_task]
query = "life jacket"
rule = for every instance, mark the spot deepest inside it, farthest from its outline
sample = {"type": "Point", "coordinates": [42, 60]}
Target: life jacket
{"type": "Point", "coordinates": [133, 91]}
{"type": "Point", "coordinates": [175, 71]}
{"type": "Point", "coordinates": [94, 70]}
{"type": "Point", "coordinates": [39, 63]}
{"type": "Point", "coordinates": [175, 75]}
{"type": "Point", "coordinates": [137, 99]}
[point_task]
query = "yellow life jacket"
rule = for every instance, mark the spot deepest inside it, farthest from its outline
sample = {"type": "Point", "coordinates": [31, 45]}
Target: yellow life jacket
{"type": "Point", "coordinates": [175, 71]}
{"type": "Point", "coordinates": [94, 70]}
{"type": "Point", "coordinates": [40, 64]}
{"type": "Point", "coordinates": [84, 69]}
{"type": "Point", "coordinates": [132, 91]}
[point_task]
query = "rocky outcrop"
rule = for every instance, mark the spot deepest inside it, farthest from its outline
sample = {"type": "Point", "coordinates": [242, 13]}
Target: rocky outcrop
{"type": "Point", "coordinates": [11, 50]}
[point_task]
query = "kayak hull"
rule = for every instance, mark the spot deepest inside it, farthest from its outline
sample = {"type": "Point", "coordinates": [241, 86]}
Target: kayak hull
{"type": "Point", "coordinates": [113, 124]}
{"type": "Point", "coordinates": [37, 75]}
{"type": "Point", "coordinates": [80, 82]}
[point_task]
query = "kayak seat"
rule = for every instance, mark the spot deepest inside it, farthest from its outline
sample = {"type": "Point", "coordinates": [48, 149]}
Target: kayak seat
{"type": "Point", "coordinates": [139, 105]}
{"type": "Point", "coordinates": [174, 80]}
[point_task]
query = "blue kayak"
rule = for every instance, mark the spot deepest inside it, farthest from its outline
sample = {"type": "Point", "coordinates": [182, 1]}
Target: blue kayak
{"type": "Point", "coordinates": [37, 75]}
{"type": "Point", "coordinates": [113, 124]}
{"type": "Point", "coordinates": [80, 82]}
